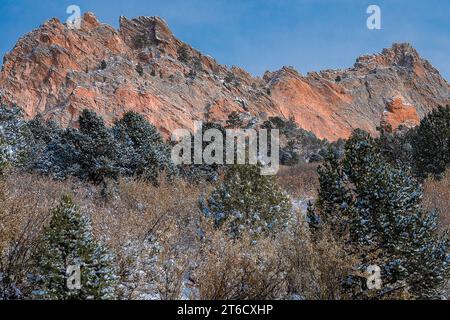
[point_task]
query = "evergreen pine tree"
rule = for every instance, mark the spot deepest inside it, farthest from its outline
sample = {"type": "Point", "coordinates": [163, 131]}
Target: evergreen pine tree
{"type": "Point", "coordinates": [381, 205]}
{"type": "Point", "coordinates": [60, 156]}
{"type": "Point", "coordinates": [334, 200]}
{"type": "Point", "coordinates": [431, 146]}
{"type": "Point", "coordinates": [396, 146]}
{"type": "Point", "coordinates": [43, 131]}
{"type": "Point", "coordinates": [143, 152]}
{"type": "Point", "coordinates": [97, 149]}
{"type": "Point", "coordinates": [68, 241]}
{"type": "Point", "coordinates": [103, 65]}
{"type": "Point", "coordinates": [15, 138]}
{"type": "Point", "coordinates": [44, 155]}
{"type": "Point", "coordinates": [139, 69]}
{"type": "Point", "coordinates": [201, 172]}
{"type": "Point", "coordinates": [249, 201]}
{"type": "Point", "coordinates": [289, 155]}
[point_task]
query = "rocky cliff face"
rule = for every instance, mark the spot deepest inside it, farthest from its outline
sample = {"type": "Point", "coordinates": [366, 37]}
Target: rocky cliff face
{"type": "Point", "coordinates": [58, 72]}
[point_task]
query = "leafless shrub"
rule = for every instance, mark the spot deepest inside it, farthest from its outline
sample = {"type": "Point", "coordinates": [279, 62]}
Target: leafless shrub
{"type": "Point", "coordinates": [239, 268]}
{"type": "Point", "coordinates": [287, 266]}
{"type": "Point", "coordinates": [165, 248]}
{"type": "Point", "coordinates": [316, 267]}
{"type": "Point", "coordinates": [437, 196]}
{"type": "Point", "coordinates": [300, 181]}
{"type": "Point", "coordinates": [26, 201]}
{"type": "Point", "coordinates": [150, 229]}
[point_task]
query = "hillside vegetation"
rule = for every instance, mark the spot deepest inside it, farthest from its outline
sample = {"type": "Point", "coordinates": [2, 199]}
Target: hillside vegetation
{"type": "Point", "coordinates": [109, 199]}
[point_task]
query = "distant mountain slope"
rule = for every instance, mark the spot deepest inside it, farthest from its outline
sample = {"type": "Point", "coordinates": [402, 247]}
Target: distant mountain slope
{"type": "Point", "coordinates": [142, 67]}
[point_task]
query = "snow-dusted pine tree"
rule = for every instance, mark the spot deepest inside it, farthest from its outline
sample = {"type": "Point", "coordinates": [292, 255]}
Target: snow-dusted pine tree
{"type": "Point", "coordinates": [249, 201]}
{"type": "Point", "coordinates": [98, 150]}
{"type": "Point", "coordinates": [139, 274]}
{"type": "Point", "coordinates": [142, 149]}
{"type": "Point", "coordinates": [431, 144]}
{"type": "Point", "coordinates": [15, 138]}
{"type": "Point", "coordinates": [387, 227]}
{"type": "Point", "coordinates": [334, 199]}
{"type": "Point", "coordinates": [68, 243]}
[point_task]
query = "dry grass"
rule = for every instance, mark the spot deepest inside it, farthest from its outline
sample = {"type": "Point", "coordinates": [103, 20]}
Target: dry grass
{"type": "Point", "coordinates": [300, 181]}
{"type": "Point", "coordinates": [239, 268]}
{"type": "Point", "coordinates": [163, 244]}
{"type": "Point", "coordinates": [137, 221]}
{"type": "Point", "coordinates": [26, 202]}
{"type": "Point", "coordinates": [437, 196]}
{"type": "Point", "coordinates": [288, 265]}
{"type": "Point", "coordinates": [316, 266]}
{"type": "Point", "coordinates": [141, 221]}
{"type": "Point", "coordinates": [165, 248]}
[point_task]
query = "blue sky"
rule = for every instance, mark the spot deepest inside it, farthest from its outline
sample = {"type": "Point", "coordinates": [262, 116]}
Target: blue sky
{"type": "Point", "coordinates": [261, 35]}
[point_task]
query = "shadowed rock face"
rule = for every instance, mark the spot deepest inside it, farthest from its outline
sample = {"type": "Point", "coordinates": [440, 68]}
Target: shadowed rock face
{"type": "Point", "coordinates": [142, 67]}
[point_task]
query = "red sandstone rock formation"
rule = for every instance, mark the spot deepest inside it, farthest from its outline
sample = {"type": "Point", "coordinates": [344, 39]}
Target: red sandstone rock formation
{"type": "Point", "coordinates": [58, 72]}
{"type": "Point", "coordinates": [398, 112]}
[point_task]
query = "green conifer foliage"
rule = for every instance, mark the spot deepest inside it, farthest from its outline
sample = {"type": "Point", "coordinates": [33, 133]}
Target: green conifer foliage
{"type": "Point", "coordinates": [380, 205]}
{"type": "Point", "coordinates": [68, 241]}
{"type": "Point", "coordinates": [431, 146]}
{"type": "Point", "coordinates": [249, 201]}
{"type": "Point", "coordinates": [97, 149]}
{"type": "Point", "coordinates": [15, 138]}
{"type": "Point", "coordinates": [143, 152]}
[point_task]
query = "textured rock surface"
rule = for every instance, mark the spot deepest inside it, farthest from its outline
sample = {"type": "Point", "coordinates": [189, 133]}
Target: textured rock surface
{"type": "Point", "coordinates": [398, 112]}
{"type": "Point", "coordinates": [58, 72]}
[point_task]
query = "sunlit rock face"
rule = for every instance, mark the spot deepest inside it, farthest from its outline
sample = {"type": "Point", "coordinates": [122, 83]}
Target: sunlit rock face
{"type": "Point", "coordinates": [142, 66]}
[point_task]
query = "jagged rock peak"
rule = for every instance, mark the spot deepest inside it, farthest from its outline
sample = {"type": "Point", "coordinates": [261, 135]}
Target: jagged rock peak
{"type": "Point", "coordinates": [142, 66]}
{"type": "Point", "coordinates": [142, 30]}
{"type": "Point", "coordinates": [90, 20]}
{"type": "Point", "coordinates": [402, 55]}
{"type": "Point", "coordinates": [286, 71]}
